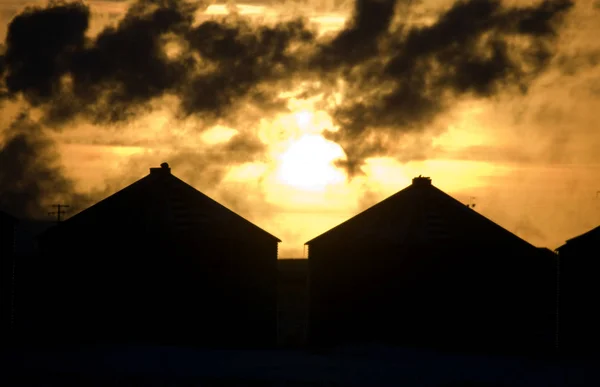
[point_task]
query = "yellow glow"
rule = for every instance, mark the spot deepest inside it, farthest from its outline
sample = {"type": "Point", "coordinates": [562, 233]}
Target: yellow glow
{"type": "Point", "coordinates": [173, 49]}
{"type": "Point", "coordinates": [304, 119]}
{"type": "Point", "coordinates": [218, 134]}
{"type": "Point", "coordinates": [453, 175]}
{"type": "Point", "coordinates": [308, 163]}
{"type": "Point", "coordinates": [247, 172]}
{"type": "Point", "coordinates": [242, 9]}
{"type": "Point", "coordinates": [329, 23]}
{"type": "Point", "coordinates": [91, 165]}
{"type": "Point", "coordinates": [465, 129]}
{"type": "Point", "coordinates": [126, 151]}
{"type": "Point", "coordinates": [461, 137]}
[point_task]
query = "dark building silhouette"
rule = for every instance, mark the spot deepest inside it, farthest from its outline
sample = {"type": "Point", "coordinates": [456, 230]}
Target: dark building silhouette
{"type": "Point", "coordinates": [8, 225]}
{"type": "Point", "coordinates": [159, 263]}
{"type": "Point", "coordinates": [579, 313]}
{"type": "Point", "coordinates": [423, 269]}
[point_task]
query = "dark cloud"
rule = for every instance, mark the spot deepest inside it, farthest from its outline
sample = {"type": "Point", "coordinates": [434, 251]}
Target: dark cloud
{"type": "Point", "coordinates": [475, 48]}
{"type": "Point", "coordinates": [243, 56]}
{"type": "Point", "coordinates": [398, 77]}
{"type": "Point", "coordinates": [112, 77]}
{"type": "Point", "coordinates": [125, 66]}
{"type": "Point", "coordinates": [359, 39]}
{"type": "Point", "coordinates": [403, 75]}
{"type": "Point", "coordinates": [38, 46]}
{"type": "Point", "coordinates": [31, 176]}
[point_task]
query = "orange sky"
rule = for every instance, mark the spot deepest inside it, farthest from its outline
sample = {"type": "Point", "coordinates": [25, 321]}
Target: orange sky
{"type": "Point", "coordinates": [530, 162]}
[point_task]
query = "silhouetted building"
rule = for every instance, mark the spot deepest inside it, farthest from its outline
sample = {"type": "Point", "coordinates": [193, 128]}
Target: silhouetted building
{"type": "Point", "coordinates": [579, 314]}
{"type": "Point", "coordinates": [8, 226]}
{"type": "Point", "coordinates": [423, 269]}
{"type": "Point", "coordinates": [160, 263]}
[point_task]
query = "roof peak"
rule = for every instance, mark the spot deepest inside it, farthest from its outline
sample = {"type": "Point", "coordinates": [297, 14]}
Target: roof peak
{"type": "Point", "coordinates": [421, 180]}
{"type": "Point", "coordinates": [163, 170]}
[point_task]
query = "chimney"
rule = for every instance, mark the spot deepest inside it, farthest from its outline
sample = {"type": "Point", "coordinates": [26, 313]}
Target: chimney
{"type": "Point", "coordinates": [421, 180]}
{"type": "Point", "coordinates": [163, 170]}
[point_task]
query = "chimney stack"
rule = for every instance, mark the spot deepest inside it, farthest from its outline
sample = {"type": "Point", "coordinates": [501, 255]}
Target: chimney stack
{"type": "Point", "coordinates": [163, 170]}
{"type": "Point", "coordinates": [421, 180]}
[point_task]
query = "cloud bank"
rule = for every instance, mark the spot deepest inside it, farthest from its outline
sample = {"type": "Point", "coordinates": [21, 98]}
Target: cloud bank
{"type": "Point", "coordinates": [381, 76]}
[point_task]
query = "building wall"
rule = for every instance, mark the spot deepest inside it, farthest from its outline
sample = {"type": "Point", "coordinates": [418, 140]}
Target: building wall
{"type": "Point", "coordinates": [579, 294]}
{"type": "Point", "coordinates": [133, 284]}
{"type": "Point", "coordinates": [458, 297]}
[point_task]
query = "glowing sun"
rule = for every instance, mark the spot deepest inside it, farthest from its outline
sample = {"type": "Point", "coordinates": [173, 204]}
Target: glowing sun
{"type": "Point", "coordinates": [308, 163]}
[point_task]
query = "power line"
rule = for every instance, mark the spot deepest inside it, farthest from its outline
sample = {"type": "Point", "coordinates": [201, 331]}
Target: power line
{"type": "Point", "coordinates": [58, 211]}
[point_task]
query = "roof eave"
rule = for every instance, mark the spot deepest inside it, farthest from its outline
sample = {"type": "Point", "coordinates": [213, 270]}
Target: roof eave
{"type": "Point", "coordinates": [312, 240]}
{"type": "Point", "coordinates": [581, 236]}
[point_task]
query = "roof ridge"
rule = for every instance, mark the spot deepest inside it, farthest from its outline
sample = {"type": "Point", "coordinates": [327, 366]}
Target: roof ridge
{"type": "Point", "coordinates": [147, 179]}
{"type": "Point", "coordinates": [376, 205]}
{"type": "Point", "coordinates": [435, 190]}
{"type": "Point", "coordinates": [128, 188]}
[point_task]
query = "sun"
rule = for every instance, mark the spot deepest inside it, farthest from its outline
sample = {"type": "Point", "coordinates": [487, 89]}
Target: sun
{"type": "Point", "coordinates": [303, 157]}
{"type": "Point", "coordinates": [308, 163]}
{"type": "Point", "coordinates": [304, 119]}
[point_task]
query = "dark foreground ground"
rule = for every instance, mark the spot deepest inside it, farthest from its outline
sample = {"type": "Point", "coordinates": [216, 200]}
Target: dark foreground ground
{"type": "Point", "coordinates": [165, 366]}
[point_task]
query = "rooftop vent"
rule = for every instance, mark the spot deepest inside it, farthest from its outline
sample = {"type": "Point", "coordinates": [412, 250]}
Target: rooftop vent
{"type": "Point", "coordinates": [421, 180]}
{"type": "Point", "coordinates": [164, 169]}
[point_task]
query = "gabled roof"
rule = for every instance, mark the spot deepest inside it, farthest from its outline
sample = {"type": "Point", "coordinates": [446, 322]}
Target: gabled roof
{"type": "Point", "coordinates": [421, 213]}
{"type": "Point", "coordinates": [590, 237]}
{"type": "Point", "coordinates": [162, 197]}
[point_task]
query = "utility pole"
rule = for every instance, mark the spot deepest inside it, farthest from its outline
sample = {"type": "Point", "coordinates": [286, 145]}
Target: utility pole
{"type": "Point", "coordinates": [58, 211]}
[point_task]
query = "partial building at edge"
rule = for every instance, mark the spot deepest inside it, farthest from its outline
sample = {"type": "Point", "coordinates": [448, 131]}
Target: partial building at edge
{"type": "Point", "coordinates": [159, 263]}
{"type": "Point", "coordinates": [422, 269]}
{"type": "Point", "coordinates": [579, 317]}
